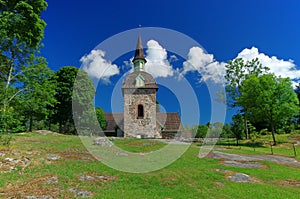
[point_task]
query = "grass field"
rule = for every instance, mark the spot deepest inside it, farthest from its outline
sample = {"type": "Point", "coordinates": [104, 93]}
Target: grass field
{"type": "Point", "coordinates": [188, 177]}
{"type": "Point", "coordinates": [263, 145]}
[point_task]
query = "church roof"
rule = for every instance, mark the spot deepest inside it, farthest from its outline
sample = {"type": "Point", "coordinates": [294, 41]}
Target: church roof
{"type": "Point", "coordinates": [114, 120]}
{"type": "Point", "coordinates": [139, 52]}
{"type": "Point", "coordinates": [131, 78]}
{"type": "Point", "coordinates": [169, 122]}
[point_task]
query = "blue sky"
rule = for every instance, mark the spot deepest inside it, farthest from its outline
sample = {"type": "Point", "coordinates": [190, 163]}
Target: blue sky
{"type": "Point", "coordinates": [268, 29]}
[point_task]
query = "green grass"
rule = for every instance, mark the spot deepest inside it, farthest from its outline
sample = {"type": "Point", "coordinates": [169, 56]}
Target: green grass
{"type": "Point", "coordinates": [188, 177]}
{"type": "Point", "coordinates": [263, 146]}
{"type": "Point", "coordinates": [139, 145]}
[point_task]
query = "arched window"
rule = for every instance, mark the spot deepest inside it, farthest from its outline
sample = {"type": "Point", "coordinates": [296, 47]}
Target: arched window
{"type": "Point", "coordinates": [140, 111]}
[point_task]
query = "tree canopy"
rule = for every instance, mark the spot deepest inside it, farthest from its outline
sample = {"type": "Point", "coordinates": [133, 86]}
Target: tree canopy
{"type": "Point", "coordinates": [21, 31]}
{"type": "Point", "coordinates": [238, 71]}
{"type": "Point", "coordinates": [269, 98]}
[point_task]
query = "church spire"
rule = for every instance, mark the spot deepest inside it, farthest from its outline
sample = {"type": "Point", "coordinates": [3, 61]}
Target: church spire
{"type": "Point", "coordinates": [139, 58]}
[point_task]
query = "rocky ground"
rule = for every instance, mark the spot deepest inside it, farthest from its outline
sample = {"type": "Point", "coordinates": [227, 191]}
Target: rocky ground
{"type": "Point", "coordinates": [250, 161]}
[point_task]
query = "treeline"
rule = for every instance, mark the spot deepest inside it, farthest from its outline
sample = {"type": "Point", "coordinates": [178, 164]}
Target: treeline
{"type": "Point", "coordinates": [32, 96]}
{"type": "Point", "coordinates": [265, 103]}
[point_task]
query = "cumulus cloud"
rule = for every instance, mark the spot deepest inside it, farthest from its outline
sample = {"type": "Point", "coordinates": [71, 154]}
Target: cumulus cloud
{"type": "Point", "coordinates": [280, 67]}
{"type": "Point", "coordinates": [205, 64]}
{"type": "Point", "coordinates": [98, 67]}
{"type": "Point", "coordinates": [157, 60]}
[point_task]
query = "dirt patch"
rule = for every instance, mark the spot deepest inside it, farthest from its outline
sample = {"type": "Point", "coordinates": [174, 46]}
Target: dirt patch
{"type": "Point", "coordinates": [219, 184]}
{"type": "Point", "coordinates": [9, 164]}
{"type": "Point", "coordinates": [40, 187]}
{"type": "Point", "coordinates": [75, 154]}
{"type": "Point", "coordinates": [291, 183]}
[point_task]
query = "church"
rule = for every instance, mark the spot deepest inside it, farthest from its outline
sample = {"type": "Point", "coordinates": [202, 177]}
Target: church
{"type": "Point", "coordinates": [141, 117]}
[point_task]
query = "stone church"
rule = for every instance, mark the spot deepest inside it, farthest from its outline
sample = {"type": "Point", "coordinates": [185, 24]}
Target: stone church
{"type": "Point", "coordinates": [141, 117]}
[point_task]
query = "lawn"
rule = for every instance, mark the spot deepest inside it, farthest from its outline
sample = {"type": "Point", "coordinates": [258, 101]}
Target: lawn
{"type": "Point", "coordinates": [76, 169]}
{"type": "Point", "coordinates": [263, 145]}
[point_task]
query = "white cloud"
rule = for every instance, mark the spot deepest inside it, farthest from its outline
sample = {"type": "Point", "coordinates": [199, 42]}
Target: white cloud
{"type": "Point", "coordinates": [204, 63]}
{"type": "Point", "coordinates": [173, 58]}
{"type": "Point", "coordinates": [280, 67]}
{"type": "Point", "coordinates": [157, 60]}
{"type": "Point", "coordinates": [98, 67]}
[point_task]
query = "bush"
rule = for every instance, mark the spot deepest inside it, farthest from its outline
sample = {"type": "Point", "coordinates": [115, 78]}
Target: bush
{"type": "Point", "coordinates": [264, 132]}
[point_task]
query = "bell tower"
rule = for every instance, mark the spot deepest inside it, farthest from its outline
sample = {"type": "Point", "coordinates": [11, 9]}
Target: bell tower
{"type": "Point", "coordinates": [139, 60]}
{"type": "Point", "coordinates": [139, 92]}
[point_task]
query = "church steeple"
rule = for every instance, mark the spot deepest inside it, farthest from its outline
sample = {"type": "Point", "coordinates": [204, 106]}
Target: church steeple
{"type": "Point", "coordinates": [139, 60]}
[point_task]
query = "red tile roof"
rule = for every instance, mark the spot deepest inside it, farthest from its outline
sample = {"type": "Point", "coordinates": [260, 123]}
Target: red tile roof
{"type": "Point", "coordinates": [168, 121]}
{"type": "Point", "coordinates": [113, 120]}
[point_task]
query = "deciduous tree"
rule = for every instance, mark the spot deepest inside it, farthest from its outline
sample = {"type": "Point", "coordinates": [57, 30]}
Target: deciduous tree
{"type": "Point", "coordinates": [38, 90]}
{"type": "Point", "coordinates": [236, 72]}
{"type": "Point", "coordinates": [21, 30]}
{"type": "Point", "coordinates": [270, 99]}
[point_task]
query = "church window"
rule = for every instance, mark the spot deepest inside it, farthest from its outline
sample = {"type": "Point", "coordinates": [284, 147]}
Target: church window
{"type": "Point", "coordinates": [140, 111]}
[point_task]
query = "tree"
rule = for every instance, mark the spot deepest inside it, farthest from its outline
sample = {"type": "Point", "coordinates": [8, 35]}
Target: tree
{"type": "Point", "coordinates": [38, 90]}
{"type": "Point", "coordinates": [237, 127]}
{"type": "Point", "coordinates": [226, 132]}
{"type": "Point", "coordinates": [215, 129]}
{"type": "Point", "coordinates": [83, 103]}
{"type": "Point", "coordinates": [269, 98]}
{"type": "Point", "coordinates": [22, 29]}
{"type": "Point", "coordinates": [65, 78]}
{"type": "Point", "coordinates": [298, 95]}
{"type": "Point", "coordinates": [236, 72]}
{"type": "Point", "coordinates": [101, 118]}
{"type": "Point", "coordinates": [201, 131]}
{"type": "Point", "coordinates": [75, 95]}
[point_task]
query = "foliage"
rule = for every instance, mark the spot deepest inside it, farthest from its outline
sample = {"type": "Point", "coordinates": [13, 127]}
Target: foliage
{"type": "Point", "coordinates": [101, 118]}
{"type": "Point", "coordinates": [270, 99]}
{"type": "Point", "coordinates": [237, 127]}
{"type": "Point", "coordinates": [215, 130]}
{"type": "Point", "coordinates": [38, 90]}
{"type": "Point", "coordinates": [74, 86]}
{"type": "Point", "coordinates": [298, 95]}
{"type": "Point", "coordinates": [83, 103]}
{"type": "Point", "coordinates": [20, 23]}
{"type": "Point", "coordinates": [5, 140]}
{"type": "Point", "coordinates": [201, 131]}
{"type": "Point", "coordinates": [226, 132]}
{"type": "Point", "coordinates": [21, 30]}
{"type": "Point", "coordinates": [238, 71]}
{"type": "Point", "coordinates": [65, 78]}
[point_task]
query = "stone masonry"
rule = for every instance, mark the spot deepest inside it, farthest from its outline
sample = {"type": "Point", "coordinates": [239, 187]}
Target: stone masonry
{"type": "Point", "coordinates": [133, 125]}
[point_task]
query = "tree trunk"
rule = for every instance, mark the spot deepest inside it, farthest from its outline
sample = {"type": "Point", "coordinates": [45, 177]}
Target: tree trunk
{"type": "Point", "coordinates": [273, 133]}
{"type": "Point", "coordinates": [246, 126]}
{"type": "Point", "coordinates": [5, 101]}
{"type": "Point", "coordinates": [237, 141]}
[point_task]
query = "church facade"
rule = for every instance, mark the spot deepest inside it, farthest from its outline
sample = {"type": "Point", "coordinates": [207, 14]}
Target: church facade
{"type": "Point", "coordinates": [141, 118]}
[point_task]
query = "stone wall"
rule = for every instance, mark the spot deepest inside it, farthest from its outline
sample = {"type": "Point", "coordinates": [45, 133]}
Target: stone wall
{"type": "Point", "coordinates": [140, 127]}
